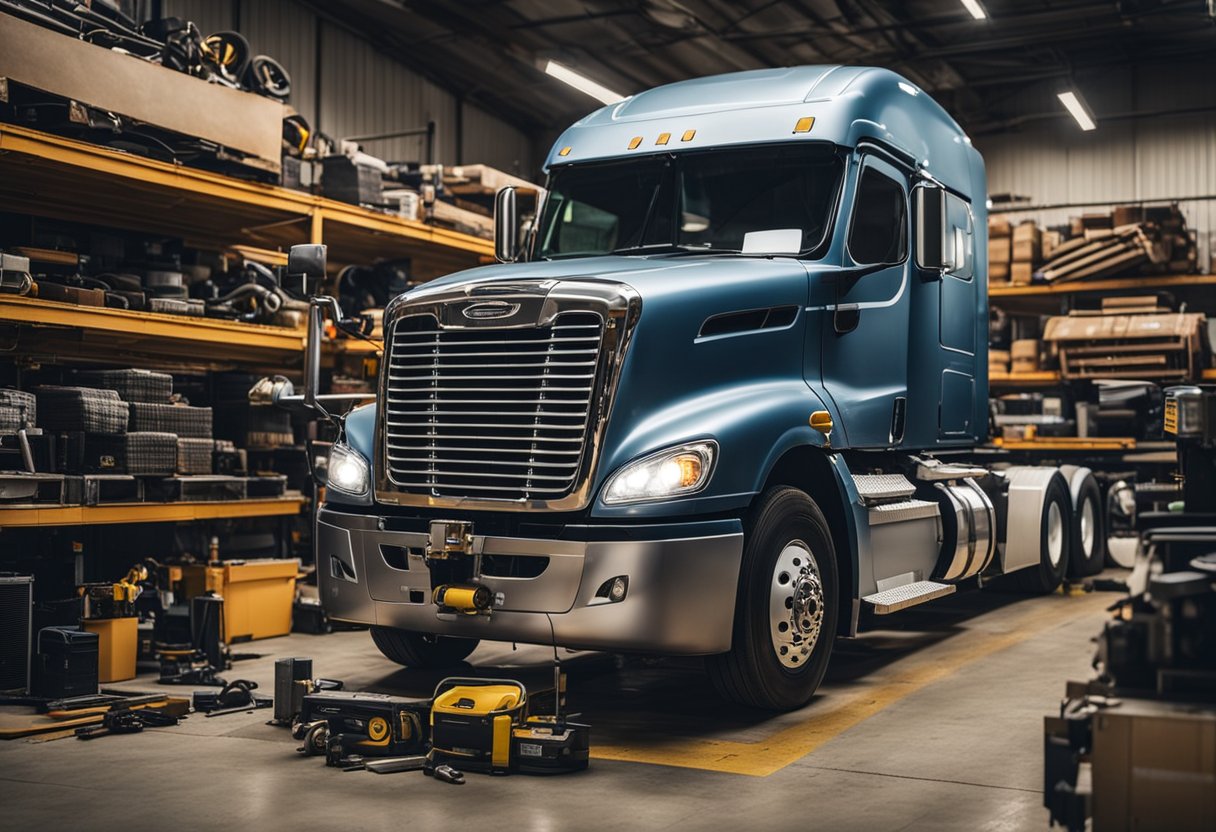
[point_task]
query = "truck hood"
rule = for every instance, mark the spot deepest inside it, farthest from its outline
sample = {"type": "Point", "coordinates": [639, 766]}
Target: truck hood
{"type": "Point", "coordinates": [652, 276]}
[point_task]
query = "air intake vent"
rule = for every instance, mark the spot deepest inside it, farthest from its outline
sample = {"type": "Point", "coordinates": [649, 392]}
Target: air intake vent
{"type": "Point", "coordinates": [749, 320]}
{"type": "Point", "coordinates": [490, 413]}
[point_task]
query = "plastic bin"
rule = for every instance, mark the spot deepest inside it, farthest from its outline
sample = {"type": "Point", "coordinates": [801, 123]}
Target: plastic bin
{"type": "Point", "coordinates": [258, 595]}
{"type": "Point", "coordinates": [117, 644]}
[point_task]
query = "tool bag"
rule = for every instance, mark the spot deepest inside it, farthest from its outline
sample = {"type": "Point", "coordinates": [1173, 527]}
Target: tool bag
{"type": "Point", "coordinates": [81, 409]}
{"type": "Point", "coordinates": [472, 721]}
{"type": "Point", "coordinates": [131, 385]}
{"type": "Point", "coordinates": [191, 422]}
{"type": "Point", "coordinates": [17, 410]}
{"type": "Point", "coordinates": [140, 452]}
{"type": "Point", "coordinates": [194, 455]}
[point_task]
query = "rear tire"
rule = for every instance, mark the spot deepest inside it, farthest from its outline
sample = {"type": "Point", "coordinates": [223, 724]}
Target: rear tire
{"type": "Point", "coordinates": [778, 658]}
{"type": "Point", "coordinates": [1087, 555]}
{"type": "Point", "coordinates": [1055, 542]}
{"type": "Point", "coordinates": [422, 650]}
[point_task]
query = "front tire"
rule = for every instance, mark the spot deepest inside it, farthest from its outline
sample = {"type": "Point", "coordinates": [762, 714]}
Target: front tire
{"type": "Point", "coordinates": [422, 650]}
{"type": "Point", "coordinates": [786, 609]}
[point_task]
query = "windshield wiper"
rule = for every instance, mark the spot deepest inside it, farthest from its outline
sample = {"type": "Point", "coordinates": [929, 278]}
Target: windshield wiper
{"type": "Point", "coordinates": [649, 248]}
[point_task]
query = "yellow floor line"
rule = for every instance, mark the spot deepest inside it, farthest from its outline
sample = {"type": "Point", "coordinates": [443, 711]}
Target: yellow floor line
{"type": "Point", "coordinates": [905, 677]}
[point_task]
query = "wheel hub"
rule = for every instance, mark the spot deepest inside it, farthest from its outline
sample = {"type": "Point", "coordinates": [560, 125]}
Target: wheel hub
{"type": "Point", "coordinates": [795, 605]}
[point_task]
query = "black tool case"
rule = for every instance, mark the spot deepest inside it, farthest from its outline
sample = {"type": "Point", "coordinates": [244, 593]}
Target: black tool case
{"type": "Point", "coordinates": [67, 662]}
{"type": "Point", "coordinates": [373, 724]}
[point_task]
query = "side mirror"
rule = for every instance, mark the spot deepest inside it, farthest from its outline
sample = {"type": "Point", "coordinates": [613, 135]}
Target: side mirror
{"type": "Point", "coordinates": [934, 247]}
{"type": "Point", "coordinates": [308, 262]}
{"type": "Point", "coordinates": [506, 226]}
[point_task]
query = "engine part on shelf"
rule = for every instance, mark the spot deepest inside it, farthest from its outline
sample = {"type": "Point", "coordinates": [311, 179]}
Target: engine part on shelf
{"type": "Point", "coordinates": [174, 306]}
{"type": "Point", "coordinates": [132, 385]}
{"type": "Point", "coordinates": [15, 276]}
{"type": "Point", "coordinates": [1127, 408]}
{"type": "Point", "coordinates": [371, 287]}
{"type": "Point", "coordinates": [81, 409]}
{"type": "Point", "coordinates": [183, 420]}
{"type": "Point", "coordinates": [18, 410]}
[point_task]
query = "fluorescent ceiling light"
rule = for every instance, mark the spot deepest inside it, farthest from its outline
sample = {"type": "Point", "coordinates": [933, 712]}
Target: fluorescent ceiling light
{"type": "Point", "coordinates": [582, 83]}
{"type": "Point", "coordinates": [1073, 103]}
{"type": "Point", "coordinates": [977, 11]}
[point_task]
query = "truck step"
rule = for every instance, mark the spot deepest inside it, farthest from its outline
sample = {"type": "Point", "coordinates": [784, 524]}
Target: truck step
{"type": "Point", "coordinates": [902, 512]}
{"type": "Point", "coordinates": [874, 488]}
{"type": "Point", "coordinates": [908, 595]}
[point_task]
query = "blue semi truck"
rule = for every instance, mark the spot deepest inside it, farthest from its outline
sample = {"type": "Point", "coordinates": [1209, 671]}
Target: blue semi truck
{"type": "Point", "coordinates": [710, 402]}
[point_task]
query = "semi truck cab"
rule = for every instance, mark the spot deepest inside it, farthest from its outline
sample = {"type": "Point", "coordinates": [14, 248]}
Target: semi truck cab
{"type": "Point", "coordinates": [708, 403]}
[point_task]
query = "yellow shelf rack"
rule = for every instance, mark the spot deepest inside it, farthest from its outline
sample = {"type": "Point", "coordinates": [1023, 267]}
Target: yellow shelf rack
{"type": "Point", "coordinates": [14, 516]}
{"type": "Point", "coordinates": [1134, 284]}
{"type": "Point", "coordinates": [52, 176]}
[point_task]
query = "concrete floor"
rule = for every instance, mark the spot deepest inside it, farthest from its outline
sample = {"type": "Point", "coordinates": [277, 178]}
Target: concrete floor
{"type": "Point", "coordinates": [936, 725]}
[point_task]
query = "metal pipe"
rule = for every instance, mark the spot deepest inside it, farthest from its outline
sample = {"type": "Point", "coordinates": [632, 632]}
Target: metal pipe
{"type": "Point", "coordinates": [312, 353]}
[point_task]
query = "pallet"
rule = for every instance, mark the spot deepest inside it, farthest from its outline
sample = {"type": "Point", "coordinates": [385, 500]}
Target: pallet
{"type": "Point", "coordinates": [39, 489]}
{"type": "Point", "coordinates": [102, 489]}
{"type": "Point", "coordinates": [196, 489]}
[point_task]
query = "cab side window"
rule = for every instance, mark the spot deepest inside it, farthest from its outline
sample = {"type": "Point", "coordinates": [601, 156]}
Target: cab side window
{"type": "Point", "coordinates": [879, 230]}
{"type": "Point", "coordinates": [961, 227]}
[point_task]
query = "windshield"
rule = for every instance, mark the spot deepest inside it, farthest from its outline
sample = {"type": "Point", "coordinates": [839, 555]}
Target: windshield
{"type": "Point", "coordinates": [755, 200]}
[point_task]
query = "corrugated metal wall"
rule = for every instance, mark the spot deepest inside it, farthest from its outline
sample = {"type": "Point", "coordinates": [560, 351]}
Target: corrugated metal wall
{"type": "Point", "coordinates": [361, 91]}
{"type": "Point", "coordinates": [1155, 156]}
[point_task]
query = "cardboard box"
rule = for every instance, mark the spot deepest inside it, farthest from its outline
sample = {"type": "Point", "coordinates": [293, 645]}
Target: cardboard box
{"type": "Point", "coordinates": [1154, 767]}
{"type": "Point", "coordinates": [999, 227]}
{"type": "Point", "coordinates": [998, 250]}
{"type": "Point", "coordinates": [1021, 273]}
{"type": "Point", "coordinates": [1024, 355]}
{"type": "Point", "coordinates": [1051, 241]}
{"type": "Point", "coordinates": [1027, 243]}
{"type": "Point", "coordinates": [998, 272]}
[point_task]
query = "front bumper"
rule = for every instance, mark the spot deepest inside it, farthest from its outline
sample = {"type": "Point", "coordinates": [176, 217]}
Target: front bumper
{"type": "Point", "coordinates": [681, 596]}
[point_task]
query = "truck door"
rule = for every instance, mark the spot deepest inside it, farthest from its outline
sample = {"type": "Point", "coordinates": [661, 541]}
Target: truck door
{"type": "Point", "coordinates": [957, 327]}
{"type": "Point", "coordinates": [865, 336]}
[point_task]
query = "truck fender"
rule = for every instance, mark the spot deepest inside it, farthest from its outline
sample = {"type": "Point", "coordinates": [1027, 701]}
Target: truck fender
{"type": "Point", "coordinates": [823, 475]}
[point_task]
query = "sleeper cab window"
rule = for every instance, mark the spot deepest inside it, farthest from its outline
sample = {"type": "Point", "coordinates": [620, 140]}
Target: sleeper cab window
{"type": "Point", "coordinates": [879, 230]}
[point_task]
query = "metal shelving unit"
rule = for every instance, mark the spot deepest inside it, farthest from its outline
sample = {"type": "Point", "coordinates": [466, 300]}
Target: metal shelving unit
{"type": "Point", "coordinates": [55, 177]}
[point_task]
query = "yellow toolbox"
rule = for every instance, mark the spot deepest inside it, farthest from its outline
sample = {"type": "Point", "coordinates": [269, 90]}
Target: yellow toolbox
{"type": "Point", "coordinates": [258, 594]}
{"type": "Point", "coordinates": [117, 644]}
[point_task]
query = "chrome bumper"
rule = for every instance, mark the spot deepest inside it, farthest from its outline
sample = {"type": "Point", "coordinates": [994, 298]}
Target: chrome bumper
{"type": "Point", "coordinates": [681, 596]}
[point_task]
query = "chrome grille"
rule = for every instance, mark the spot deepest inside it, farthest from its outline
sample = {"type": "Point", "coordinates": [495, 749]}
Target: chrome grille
{"type": "Point", "coordinates": [490, 413]}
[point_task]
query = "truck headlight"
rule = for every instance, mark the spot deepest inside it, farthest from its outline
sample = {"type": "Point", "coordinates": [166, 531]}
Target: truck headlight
{"type": "Point", "coordinates": [347, 471]}
{"type": "Point", "coordinates": [675, 472]}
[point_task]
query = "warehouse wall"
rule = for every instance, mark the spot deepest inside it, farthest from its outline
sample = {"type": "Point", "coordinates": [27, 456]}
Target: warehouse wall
{"type": "Point", "coordinates": [359, 90]}
{"type": "Point", "coordinates": [1156, 140]}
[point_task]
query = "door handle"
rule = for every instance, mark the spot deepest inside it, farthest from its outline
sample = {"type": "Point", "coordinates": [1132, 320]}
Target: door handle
{"type": "Point", "coordinates": [846, 317]}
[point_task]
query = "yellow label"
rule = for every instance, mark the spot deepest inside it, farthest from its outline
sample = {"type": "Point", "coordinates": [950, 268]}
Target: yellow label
{"type": "Point", "coordinates": [1171, 415]}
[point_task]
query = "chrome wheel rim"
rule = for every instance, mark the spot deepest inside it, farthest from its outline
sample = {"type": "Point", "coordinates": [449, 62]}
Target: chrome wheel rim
{"type": "Point", "coordinates": [1055, 534]}
{"type": "Point", "coordinates": [1087, 527]}
{"type": "Point", "coordinates": [795, 605]}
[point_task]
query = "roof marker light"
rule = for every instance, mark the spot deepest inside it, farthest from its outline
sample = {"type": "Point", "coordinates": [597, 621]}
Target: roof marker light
{"type": "Point", "coordinates": [663, 138]}
{"type": "Point", "coordinates": [565, 151]}
{"type": "Point", "coordinates": [634, 142]}
{"type": "Point", "coordinates": [977, 11]}
{"type": "Point", "coordinates": [1077, 108]}
{"type": "Point", "coordinates": [804, 124]}
{"type": "Point", "coordinates": [582, 83]}
{"type": "Point", "coordinates": [688, 134]}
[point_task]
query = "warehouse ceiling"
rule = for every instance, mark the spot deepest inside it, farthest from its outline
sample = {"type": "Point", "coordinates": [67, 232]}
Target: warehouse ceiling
{"type": "Point", "coordinates": [492, 51]}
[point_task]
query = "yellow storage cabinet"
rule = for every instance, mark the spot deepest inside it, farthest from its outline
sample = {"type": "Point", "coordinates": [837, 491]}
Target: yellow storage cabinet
{"type": "Point", "coordinates": [258, 595]}
{"type": "Point", "coordinates": [117, 645]}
